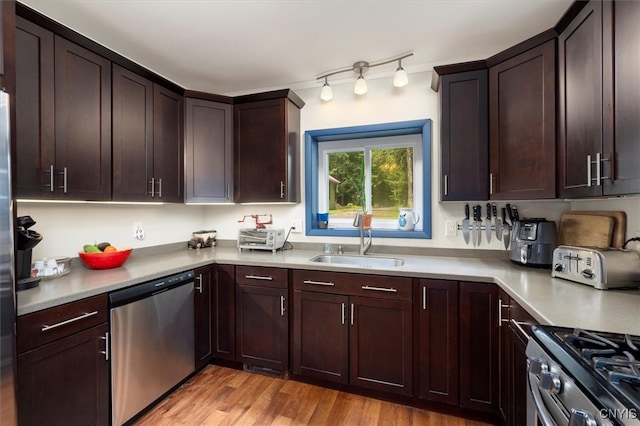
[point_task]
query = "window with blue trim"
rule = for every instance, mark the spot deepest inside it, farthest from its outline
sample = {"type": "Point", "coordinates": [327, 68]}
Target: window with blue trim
{"type": "Point", "coordinates": [382, 167]}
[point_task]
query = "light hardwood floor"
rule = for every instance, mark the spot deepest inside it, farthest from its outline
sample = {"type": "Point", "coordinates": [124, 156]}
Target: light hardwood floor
{"type": "Point", "coordinates": [224, 396]}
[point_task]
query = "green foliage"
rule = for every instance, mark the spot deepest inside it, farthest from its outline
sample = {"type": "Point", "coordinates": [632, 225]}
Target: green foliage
{"type": "Point", "coordinates": [391, 177]}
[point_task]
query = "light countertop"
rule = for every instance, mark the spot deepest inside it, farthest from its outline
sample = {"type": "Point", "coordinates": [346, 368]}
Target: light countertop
{"type": "Point", "coordinates": [548, 300]}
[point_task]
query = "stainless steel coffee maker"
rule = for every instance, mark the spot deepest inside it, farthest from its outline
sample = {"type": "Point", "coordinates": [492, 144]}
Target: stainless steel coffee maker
{"type": "Point", "coordinates": [533, 242]}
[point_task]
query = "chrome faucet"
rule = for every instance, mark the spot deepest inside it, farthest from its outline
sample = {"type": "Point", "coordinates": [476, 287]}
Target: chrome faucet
{"type": "Point", "coordinates": [358, 222]}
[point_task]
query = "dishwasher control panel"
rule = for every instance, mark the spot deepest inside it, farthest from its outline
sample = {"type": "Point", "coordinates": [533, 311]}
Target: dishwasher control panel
{"type": "Point", "coordinates": [135, 292]}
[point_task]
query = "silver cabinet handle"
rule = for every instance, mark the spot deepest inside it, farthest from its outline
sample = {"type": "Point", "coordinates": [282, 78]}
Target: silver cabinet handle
{"type": "Point", "coordinates": [424, 297]}
{"type": "Point", "coordinates": [199, 286]}
{"type": "Point", "coordinates": [388, 290]}
{"type": "Point", "coordinates": [500, 307]}
{"type": "Point", "coordinates": [282, 306]}
{"type": "Point", "coordinates": [311, 282]}
{"type": "Point", "coordinates": [490, 183]}
{"type": "Point", "coordinates": [281, 189]}
{"type": "Point", "coordinates": [106, 346]}
{"type": "Point", "coordinates": [344, 313]}
{"type": "Point", "coordinates": [51, 184]}
{"type": "Point", "coordinates": [258, 277]}
{"type": "Point", "coordinates": [227, 193]}
{"type": "Point", "coordinates": [64, 180]}
{"type": "Point", "coordinates": [446, 184]}
{"type": "Point", "coordinates": [518, 325]}
{"type": "Point", "coordinates": [69, 321]}
{"type": "Point", "coordinates": [159, 187]}
{"type": "Point", "coordinates": [153, 187]}
{"type": "Point", "coordinates": [353, 311]}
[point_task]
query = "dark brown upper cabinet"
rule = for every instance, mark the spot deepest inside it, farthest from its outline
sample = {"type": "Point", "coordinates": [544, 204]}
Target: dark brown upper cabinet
{"type": "Point", "coordinates": [522, 124]}
{"type": "Point", "coordinates": [464, 135]}
{"type": "Point", "coordinates": [622, 97]}
{"type": "Point", "coordinates": [209, 151]}
{"type": "Point", "coordinates": [580, 102]}
{"type": "Point", "coordinates": [63, 118]}
{"type": "Point", "coordinates": [147, 139]}
{"type": "Point", "coordinates": [599, 55]}
{"type": "Point", "coordinates": [266, 147]}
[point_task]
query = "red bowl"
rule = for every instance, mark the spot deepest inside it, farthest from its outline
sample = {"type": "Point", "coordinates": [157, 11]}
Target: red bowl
{"type": "Point", "coordinates": [107, 260]}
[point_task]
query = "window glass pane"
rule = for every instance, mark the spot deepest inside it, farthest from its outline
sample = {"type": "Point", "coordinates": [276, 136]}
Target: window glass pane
{"type": "Point", "coordinates": [391, 181]}
{"type": "Point", "coordinates": [346, 169]}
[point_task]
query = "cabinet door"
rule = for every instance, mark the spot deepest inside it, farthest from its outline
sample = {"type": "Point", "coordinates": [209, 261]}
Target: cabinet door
{"type": "Point", "coordinates": [260, 154]}
{"type": "Point", "coordinates": [623, 144]}
{"type": "Point", "coordinates": [209, 151]}
{"type": "Point", "coordinates": [438, 328]}
{"type": "Point", "coordinates": [167, 145]}
{"type": "Point", "coordinates": [522, 125]}
{"type": "Point", "coordinates": [83, 123]}
{"type": "Point", "coordinates": [505, 400]}
{"type": "Point", "coordinates": [580, 102]}
{"type": "Point", "coordinates": [380, 345]}
{"type": "Point", "coordinates": [224, 325]}
{"type": "Point", "coordinates": [321, 336]}
{"type": "Point", "coordinates": [34, 111]}
{"type": "Point", "coordinates": [464, 136]}
{"type": "Point", "coordinates": [203, 311]}
{"type": "Point", "coordinates": [65, 382]}
{"type": "Point", "coordinates": [262, 337]}
{"type": "Point", "coordinates": [478, 346]}
{"type": "Point", "coordinates": [132, 135]}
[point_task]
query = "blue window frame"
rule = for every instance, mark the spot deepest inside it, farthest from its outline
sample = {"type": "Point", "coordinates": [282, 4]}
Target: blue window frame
{"type": "Point", "coordinates": [313, 139]}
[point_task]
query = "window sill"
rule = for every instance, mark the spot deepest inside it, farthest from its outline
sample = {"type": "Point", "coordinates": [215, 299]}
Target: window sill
{"type": "Point", "coordinates": [375, 233]}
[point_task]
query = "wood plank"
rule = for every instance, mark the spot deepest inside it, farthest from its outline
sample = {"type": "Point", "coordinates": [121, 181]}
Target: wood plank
{"type": "Point", "coordinates": [224, 396]}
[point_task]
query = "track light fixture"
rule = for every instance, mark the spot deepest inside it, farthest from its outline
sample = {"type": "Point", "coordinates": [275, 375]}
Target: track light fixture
{"type": "Point", "coordinates": [400, 78]}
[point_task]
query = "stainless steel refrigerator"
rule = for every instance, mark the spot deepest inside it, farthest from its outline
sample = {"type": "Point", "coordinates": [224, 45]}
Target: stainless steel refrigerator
{"type": "Point", "coordinates": [8, 411]}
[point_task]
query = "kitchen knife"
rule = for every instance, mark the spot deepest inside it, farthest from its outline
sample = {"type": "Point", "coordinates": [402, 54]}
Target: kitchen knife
{"type": "Point", "coordinates": [510, 213]}
{"type": "Point", "coordinates": [498, 222]}
{"type": "Point", "coordinates": [475, 233]}
{"type": "Point", "coordinates": [506, 230]}
{"type": "Point", "coordinates": [465, 224]}
{"type": "Point", "coordinates": [487, 225]}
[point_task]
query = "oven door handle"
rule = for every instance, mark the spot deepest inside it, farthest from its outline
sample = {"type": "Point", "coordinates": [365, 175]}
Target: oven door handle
{"type": "Point", "coordinates": [541, 409]}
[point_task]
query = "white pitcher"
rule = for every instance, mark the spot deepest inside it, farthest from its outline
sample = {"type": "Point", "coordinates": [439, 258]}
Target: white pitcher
{"type": "Point", "coordinates": [407, 219]}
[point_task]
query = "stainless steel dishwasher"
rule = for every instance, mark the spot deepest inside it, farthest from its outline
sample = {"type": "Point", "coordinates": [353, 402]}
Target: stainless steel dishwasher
{"type": "Point", "coordinates": [152, 342]}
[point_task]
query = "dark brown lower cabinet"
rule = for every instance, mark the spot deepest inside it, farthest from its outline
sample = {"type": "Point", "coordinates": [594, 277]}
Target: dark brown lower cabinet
{"type": "Point", "coordinates": [65, 382]}
{"type": "Point", "coordinates": [380, 345]}
{"type": "Point", "coordinates": [515, 329]}
{"type": "Point", "coordinates": [353, 329]}
{"type": "Point", "coordinates": [438, 340]}
{"type": "Point", "coordinates": [203, 311]}
{"type": "Point", "coordinates": [479, 346]}
{"type": "Point", "coordinates": [223, 322]}
{"type": "Point", "coordinates": [321, 336]}
{"type": "Point", "coordinates": [262, 317]}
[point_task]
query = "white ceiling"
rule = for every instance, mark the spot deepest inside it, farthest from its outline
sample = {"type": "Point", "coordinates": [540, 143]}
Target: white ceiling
{"type": "Point", "coordinates": [238, 46]}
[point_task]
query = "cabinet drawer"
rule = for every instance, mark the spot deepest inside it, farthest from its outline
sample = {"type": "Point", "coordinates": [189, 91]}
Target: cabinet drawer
{"type": "Point", "coordinates": [353, 284]}
{"type": "Point", "coordinates": [45, 326]}
{"type": "Point", "coordinates": [261, 276]}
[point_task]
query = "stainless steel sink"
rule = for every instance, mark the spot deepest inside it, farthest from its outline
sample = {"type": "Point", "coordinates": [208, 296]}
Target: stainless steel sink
{"type": "Point", "coordinates": [361, 261]}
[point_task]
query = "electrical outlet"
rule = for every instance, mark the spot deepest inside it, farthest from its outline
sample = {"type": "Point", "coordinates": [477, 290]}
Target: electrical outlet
{"type": "Point", "coordinates": [296, 226]}
{"type": "Point", "coordinates": [138, 231]}
{"type": "Point", "coordinates": [451, 228]}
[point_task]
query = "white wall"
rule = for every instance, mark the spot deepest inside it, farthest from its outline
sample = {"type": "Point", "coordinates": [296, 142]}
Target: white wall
{"type": "Point", "coordinates": [66, 227]}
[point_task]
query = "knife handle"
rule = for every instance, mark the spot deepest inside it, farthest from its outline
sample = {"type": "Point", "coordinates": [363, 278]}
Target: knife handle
{"type": "Point", "coordinates": [504, 215]}
{"type": "Point", "coordinates": [510, 213]}
{"type": "Point", "coordinates": [489, 211]}
{"type": "Point", "coordinates": [516, 216]}
{"type": "Point", "coordinates": [494, 210]}
{"type": "Point", "coordinates": [466, 211]}
{"type": "Point", "coordinates": [476, 213]}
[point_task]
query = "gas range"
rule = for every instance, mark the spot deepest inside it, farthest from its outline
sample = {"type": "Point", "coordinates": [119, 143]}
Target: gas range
{"type": "Point", "coordinates": [581, 377]}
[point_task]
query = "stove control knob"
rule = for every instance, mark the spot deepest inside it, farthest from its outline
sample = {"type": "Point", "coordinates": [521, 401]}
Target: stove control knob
{"type": "Point", "coordinates": [550, 382]}
{"type": "Point", "coordinates": [537, 366]}
{"type": "Point", "coordinates": [581, 418]}
{"type": "Point", "coordinates": [588, 274]}
{"type": "Point", "coordinates": [558, 267]}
